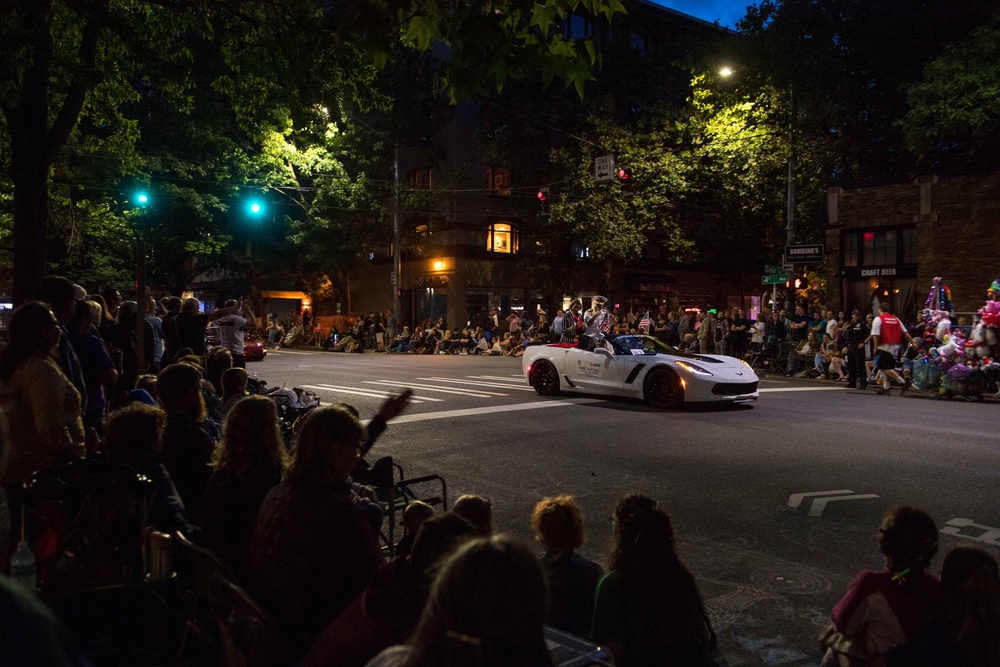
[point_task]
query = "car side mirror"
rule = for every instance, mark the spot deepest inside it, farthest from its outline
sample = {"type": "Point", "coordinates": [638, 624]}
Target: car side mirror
{"type": "Point", "coordinates": [604, 351]}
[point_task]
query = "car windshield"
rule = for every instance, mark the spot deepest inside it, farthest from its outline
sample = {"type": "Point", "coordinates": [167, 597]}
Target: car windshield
{"type": "Point", "coordinates": [640, 345]}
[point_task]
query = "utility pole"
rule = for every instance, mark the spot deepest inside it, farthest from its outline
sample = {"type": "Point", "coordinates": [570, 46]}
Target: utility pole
{"type": "Point", "coordinates": [792, 196]}
{"type": "Point", "coordinates": [397, 253]}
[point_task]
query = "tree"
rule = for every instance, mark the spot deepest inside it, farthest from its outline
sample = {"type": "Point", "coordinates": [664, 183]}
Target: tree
{"type": "Point", "coordinates": [954, 113]}
{"type": "Point", "coordinates": [266, 61]}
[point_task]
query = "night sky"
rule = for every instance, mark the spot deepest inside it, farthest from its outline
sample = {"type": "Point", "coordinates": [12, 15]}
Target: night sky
{"type": "Point", "coordinates": [728, 12]}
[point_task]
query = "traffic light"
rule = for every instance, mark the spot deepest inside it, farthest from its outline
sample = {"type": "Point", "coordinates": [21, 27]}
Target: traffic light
{"type": "Point", "coordinates": [255, 208]}
{"type": "Point", "coordinates": [140, 198]}
{"type": "Point", "coordinates": [543, 201]}
{"type": "Point", "coordinates": [625, 180]}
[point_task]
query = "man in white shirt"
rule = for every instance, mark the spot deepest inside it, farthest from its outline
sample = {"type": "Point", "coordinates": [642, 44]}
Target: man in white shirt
{"type": "Point", "coordinates": [231, 330]}
{"type": "Point", "coordinates": [832, 326]}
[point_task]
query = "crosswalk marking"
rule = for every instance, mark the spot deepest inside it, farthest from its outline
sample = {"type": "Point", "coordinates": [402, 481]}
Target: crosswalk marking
{"type": "Point", "coordinates": [478, 383]}
{"type": "Point", "coordinates": [461, 392]}
{"type": "Point", "coordinates": [371, 393]}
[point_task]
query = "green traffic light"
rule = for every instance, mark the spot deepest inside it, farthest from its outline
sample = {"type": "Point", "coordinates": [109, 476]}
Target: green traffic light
{"type": "Point", "coordinates": [255, 208]}
{"type": "Point", "coordinates": [142, 198]}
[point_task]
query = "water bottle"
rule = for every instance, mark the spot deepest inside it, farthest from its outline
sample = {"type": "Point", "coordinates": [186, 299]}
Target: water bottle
{"type": "Point", "coordinates": [22, 567]}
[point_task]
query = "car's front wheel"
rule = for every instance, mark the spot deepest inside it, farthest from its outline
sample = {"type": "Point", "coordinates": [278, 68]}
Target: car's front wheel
{"type": "Point", "coordinates": [544, 378]}
{"type": "Point", "coordinates": [663, 389]}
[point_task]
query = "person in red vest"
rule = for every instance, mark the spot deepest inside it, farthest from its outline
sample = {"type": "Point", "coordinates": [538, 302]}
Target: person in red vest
{"type": "Point", "coordinates": [887, 332]}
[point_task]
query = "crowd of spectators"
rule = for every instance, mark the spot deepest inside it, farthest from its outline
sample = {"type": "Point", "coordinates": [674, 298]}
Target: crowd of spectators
{"type": "Point", "coordinates": [302, 537]}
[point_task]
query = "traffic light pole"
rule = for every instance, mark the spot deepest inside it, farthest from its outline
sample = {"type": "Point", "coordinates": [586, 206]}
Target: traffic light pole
{"type": "Point", "coordinates": [792, 196]}
{"type": "Point", "coordinates": [397, 253]}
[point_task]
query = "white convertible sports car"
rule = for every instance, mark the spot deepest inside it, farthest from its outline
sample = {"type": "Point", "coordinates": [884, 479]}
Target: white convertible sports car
{"type": "Point", "coordinates": [639, 367]}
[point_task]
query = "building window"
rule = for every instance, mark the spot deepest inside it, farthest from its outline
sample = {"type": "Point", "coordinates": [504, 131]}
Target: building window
{"type": "Point", "coordinates": [421, 178]}
{"type": "Point", "coordinates": [909, 254]}
{"type": "Point", "coordinates": [880, 247]}
{"type": "Point", "coordinates": [577, 27]}
{"type": "Point", "coordinates": [850, 250]}
{"type": "Point", "coordinates": [421, 231]}
{"type": "Point", "coordinates": [498, 180]}
{"type": "Point", "coordinates": [579, 251]}
{"type": "Point", "coordinates": [503, 237]}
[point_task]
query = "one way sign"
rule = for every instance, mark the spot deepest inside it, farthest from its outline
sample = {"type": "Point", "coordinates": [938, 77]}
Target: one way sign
{"type": "Point", "coordinates": [604, 168]}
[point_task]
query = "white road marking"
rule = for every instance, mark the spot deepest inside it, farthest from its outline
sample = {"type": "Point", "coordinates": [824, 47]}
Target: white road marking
{"type": "Point", "coordinates": [777, 389]}
{"type": "Point", "coordinates": [497, 378]}
{"type": "Point", "coordinates": [820, 503]}
{"type": "Point", "coordinates": [460, 392]}
{"type": "Point", "coordinates": [795, 499]}
{"type": "Point", "coordinates": [289, 352]}
{"type": "Point", "coordinates": [479, 383]}
{"type": "Point", "coordinates": [476, 412]}
{"type": "Point", "coordinates": [371, 393]}
{"type": "Point", "coordinates": [990, 536]}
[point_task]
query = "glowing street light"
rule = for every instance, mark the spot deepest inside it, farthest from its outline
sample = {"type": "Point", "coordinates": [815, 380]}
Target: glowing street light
{"type": "Point", "coordinates": [725, 72]}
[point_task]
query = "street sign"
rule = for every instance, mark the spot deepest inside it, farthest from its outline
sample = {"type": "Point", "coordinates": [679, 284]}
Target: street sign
{"type": "Point", "coordinates": [775, 279]}
{"type": "Point", "coordinates": [771, 269]}
{"type": "Point", "coordinates": [804, 254]}
{"type": "Point", "coordinates": [604, 168]}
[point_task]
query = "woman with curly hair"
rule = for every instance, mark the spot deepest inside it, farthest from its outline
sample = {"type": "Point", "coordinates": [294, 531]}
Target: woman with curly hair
{"type": "Point", "coordinates": [647, 609]}
{"type": "Point", "coordinates": [884, 610]}
{"type": "Point", "coordinates": [249, 461]}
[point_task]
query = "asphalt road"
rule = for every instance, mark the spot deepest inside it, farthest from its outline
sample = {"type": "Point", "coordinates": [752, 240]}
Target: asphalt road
{"type": "Point", "coordinates": [769, 564]}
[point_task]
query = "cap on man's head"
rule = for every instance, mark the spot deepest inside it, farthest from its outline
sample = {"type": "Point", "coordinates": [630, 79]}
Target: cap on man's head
{"type": "Point", "coordinates": [855, 312]}
{"type": "Point", "coordinates": [599, 299]}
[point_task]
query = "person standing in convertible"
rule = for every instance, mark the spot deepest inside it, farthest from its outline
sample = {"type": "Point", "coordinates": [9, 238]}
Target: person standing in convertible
{"type": "Point", "coordinates": [597, 322]}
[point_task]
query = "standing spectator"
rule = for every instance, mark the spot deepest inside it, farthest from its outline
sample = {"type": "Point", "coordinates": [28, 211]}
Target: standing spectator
{"type": "Point", "coordinates": [706, 333]}
{"type": "Point", "coordinates": [306, 320]}
{"type": "Point", "coordinates": [98, 369]}
{"type": "Point", "coordinates": [684, 327]}
{"type": "Point", "coordinates": [187, 448]}
{"type": "Point", "coordinates": [249, 461]}
{"type": "Point", "coordinates": [378, 325]}
{"type": "Point", "coordinates": [231, 328]}
{"type": "Point", "coordinates": [171, 337]}
{"type": "Point", "coordinates": [45, 423]}
{"type": "Point", "coordinates": [157, 327]}
{"type": "Point", "coordinates": [61, 296]}
{"type": "Point", "coordinates": [739, 334]}
{"type": "Point", "coordinates": [556, 331]}
{"type": "Point", "coordinates": [391, 327]}
{"type": "Point", "coordinates": [857, 333]}
{"type": "Point", "coordinates": [799, 326]}
{"type": "Point", "coordinates": [191, 323]}
{"type": "Point", "coordinates": [887, 333]}
{"type": "Point", "coordinates": [123, 348]}
{"type": "Point", "coordinates": [313, 548]}
{"type": "Point", "coordinates": [513, 323]}
{"type": "Point", "coordinates": [832, 325]}
{"type": "Point", "coordinates": [112, 301]}
{"type": "Point", "coordinates": [775, 333]}
{"type": "Point", "coordinates": [487, 608]}
{"type": "Point", "coordinates": [673, 329]}
{"type": "Point", "coordinates": [647, 609]}
{"type": "Point", "coordinates": [817, 324]}
{"type": "Point", "coordinates": [572, 578]}
{"type": "Point", "coordinates": [883, 610]}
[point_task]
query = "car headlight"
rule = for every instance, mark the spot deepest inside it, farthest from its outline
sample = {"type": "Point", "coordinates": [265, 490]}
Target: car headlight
{"type": "Point", "coordinates": [693, 368]}
{"type": "Point", "coordinates": [746, 364]}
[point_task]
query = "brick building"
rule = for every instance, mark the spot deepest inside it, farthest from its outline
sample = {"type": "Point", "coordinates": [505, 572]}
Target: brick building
{"type": "Point", "coordinates": [888, 242]}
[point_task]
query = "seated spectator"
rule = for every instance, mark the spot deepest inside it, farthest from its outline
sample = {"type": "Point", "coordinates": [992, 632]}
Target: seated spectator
{"type": "Point", "coordinates": [477, 510]}
{"type": "Point", "coordinates": [647, 609]}
{"type": "Point", "coordinates": [415, 514]}
{"type": "Point", "coordinates": [46, 425]}
{"type": "Point", "coordinates": [147, 383]}
{"type": "Point", "coordinates": [496, 349]}
{"type": "Point", "coordinates": [402, 342]}
{"type": "Point", "coordinates": [313, 548]}
{"type": "Point", "coordinates": [187, 448]}
{"type": "Point", "coordinates": [804, 351]}
{"type": "Point", "coordinates": [970, 587]}
{"type": "Point", "coordinates": [234, 388]}
{"type": "Point", "coordinates": [881, 611]}
{"type": "Point", "coordinates": [572, 578]}
{"type": "Point", "coordinates": [133, 437]}
{"type": "Point", "coordinates": [219, 360]}
{"type": "Point", "coordinates": [487, 607]}
{"type": "Point", "coordinates": [389, 608]}
{"type": "Point", "coordinates": [248, 462]}
{"type": "Point", "coordinates": [834, 359]}
{"type": "Point", "coordinates": [482, 343]}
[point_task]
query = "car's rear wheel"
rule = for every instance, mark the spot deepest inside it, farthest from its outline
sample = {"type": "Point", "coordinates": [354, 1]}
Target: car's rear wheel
{"type": "Point", "coordinates": [663, 389]}
{"type": "Point", "coordinates": [545, 378]}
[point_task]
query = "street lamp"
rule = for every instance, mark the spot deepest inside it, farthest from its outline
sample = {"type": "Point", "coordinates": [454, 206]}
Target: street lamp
{"type": "Point", "coordinates": [725, 72]}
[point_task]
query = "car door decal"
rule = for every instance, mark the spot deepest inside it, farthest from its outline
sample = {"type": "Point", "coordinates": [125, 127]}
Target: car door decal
{"type": "Point", "coordinates": [634, 374]}
{"type": "Point", "coordinates": [593, 369]}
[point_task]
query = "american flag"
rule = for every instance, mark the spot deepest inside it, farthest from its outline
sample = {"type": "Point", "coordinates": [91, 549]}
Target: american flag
{"type": "Point", "coordinates": [645, 322]}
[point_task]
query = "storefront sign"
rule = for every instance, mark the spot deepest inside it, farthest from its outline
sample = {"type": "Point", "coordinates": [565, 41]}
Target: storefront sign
{"type": "Point", "coordinates": [647, 283]}
{"type": "Point", "coordinates": [880, 272]}
{"type": "Point", "coordinates": [804, 254]}
{"type": "Point", "coordinates": [431, 281]}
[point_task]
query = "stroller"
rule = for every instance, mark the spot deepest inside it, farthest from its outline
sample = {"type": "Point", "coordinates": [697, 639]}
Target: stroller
{"type": "Point", "coordinates": [292, 404]}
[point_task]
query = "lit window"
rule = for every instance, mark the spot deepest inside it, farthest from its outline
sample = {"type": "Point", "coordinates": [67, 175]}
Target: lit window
{"type": "Point", "coordinates": [503, 237]}
{"type": "Point", "coordinates": [498, 180]}
{"type": "Point", "coordinates": [421, 178]}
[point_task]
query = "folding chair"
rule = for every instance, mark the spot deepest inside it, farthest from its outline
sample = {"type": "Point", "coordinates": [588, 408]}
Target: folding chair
{"type": "Point", "coordinates": [396, 492]}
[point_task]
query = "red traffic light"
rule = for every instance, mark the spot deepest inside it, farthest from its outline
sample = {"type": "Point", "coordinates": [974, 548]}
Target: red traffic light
{"type": "Point", "coordinates": [624, 173]}
{"type": "Point", "coordinates": [542, 195]}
